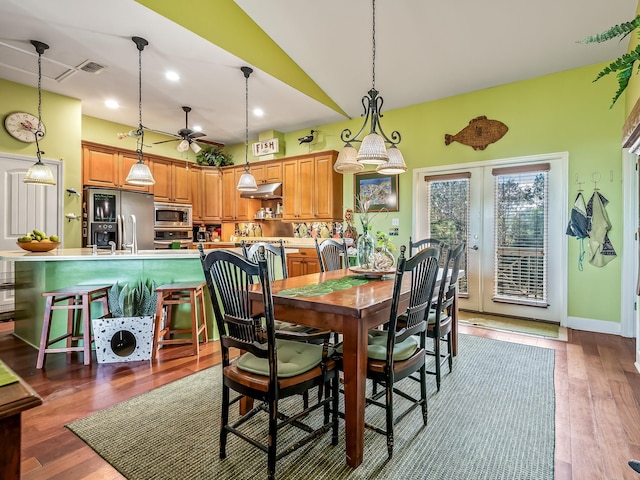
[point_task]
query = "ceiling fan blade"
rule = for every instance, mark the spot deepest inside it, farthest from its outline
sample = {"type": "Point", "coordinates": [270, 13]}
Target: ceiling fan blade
{"type": "Point", "coordinates": [165, 141]}
{"type": "Point", "coordinates": [197, 135]}
{"type": "Point", "coordinates": [211, 142]}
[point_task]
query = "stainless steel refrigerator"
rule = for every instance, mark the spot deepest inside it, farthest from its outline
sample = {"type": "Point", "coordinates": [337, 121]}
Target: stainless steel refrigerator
{"type": "Point", "coordinates": [109, 215]}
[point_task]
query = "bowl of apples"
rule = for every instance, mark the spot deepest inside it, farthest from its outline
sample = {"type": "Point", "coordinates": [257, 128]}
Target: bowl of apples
{"type": "Point", "coordinates": [38, 241]}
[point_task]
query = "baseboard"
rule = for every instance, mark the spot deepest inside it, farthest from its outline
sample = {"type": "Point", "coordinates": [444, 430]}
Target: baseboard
{"type": "Point", "coordinates": [591, 325]}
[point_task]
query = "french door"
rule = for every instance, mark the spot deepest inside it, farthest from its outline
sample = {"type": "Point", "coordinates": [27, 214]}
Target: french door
{"type": "Point", "coordinates": [512, 216]}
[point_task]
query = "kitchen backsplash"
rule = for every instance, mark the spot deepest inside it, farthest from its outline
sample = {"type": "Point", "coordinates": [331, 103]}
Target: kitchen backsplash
{"type": "Point", "coordinates": [297, 230]}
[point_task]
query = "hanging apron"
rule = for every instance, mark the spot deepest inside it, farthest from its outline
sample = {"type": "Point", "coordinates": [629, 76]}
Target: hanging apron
{"type": "Point", "coordinates": [600, 249]}
{"type": "Point", "coordinates": [579, 225]}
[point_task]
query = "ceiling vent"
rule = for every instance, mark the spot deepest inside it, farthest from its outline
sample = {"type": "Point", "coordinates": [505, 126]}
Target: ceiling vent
{"type": "Point", "coordinates": [86, 66]}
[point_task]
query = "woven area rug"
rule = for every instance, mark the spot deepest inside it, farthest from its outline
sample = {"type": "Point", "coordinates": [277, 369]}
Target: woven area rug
{"type": "Point", "coordinates": [492, 419]}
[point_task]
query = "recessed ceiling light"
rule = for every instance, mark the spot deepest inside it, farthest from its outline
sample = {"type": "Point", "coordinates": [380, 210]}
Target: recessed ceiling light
{"type": "Point", "coordinates": [111, 104]}
{"type": "Point", "coordinates": [258, 112]}
{"type": "Point", "coordinates": [197, 128]}
{"type": "Point", "coordinates": [173, 76]}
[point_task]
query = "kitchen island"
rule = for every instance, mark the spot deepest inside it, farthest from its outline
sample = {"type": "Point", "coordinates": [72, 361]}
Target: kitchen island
{"type": "Point", "coordinates": [37, 272]}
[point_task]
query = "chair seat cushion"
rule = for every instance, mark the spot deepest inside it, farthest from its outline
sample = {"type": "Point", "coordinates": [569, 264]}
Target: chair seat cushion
{"type": "Point", "coordinates": [291, 327]}
{"type": "Point", "coordinates": [432, 317]}
{"type": "Point", "coordinates": [377, 348]}
{"type": "Point", "coordinates": [294, 358]}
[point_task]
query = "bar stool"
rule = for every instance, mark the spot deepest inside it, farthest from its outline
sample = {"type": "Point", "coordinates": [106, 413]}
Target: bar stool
{"type": "Point", "coordinates": [78, 297]}
{"type": "Point", "coordinates": [178, 293]}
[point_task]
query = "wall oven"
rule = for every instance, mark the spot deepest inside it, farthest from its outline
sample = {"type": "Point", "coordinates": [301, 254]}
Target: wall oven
{"type": "Point", "coordinates": [172, 239]}
{"type": "Point", "coordinates": [172, 216]}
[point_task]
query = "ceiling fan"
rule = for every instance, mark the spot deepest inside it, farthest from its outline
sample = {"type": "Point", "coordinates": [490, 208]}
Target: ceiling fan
{"type": "Point", "coordinates": [186, 135]}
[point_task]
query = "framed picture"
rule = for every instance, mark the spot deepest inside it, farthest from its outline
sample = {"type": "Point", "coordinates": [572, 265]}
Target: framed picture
{"type": "Point", "coordinates": [382, 190]}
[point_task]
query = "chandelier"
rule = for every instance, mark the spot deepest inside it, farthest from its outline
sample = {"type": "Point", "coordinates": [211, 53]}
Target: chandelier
{"type": "Point", "coordinates": [247, 182]}
{"type": "Point", "coordinates": [39, 173]}
{"type": "Point", "coordinates": [373, 148]}
{"type": "Point", "coordinates": [140, 173]}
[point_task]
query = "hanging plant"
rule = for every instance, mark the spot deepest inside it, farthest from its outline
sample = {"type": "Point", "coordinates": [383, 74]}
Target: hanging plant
{"type": "Point", "coordinates": [214, 156]}
{"type": "Point", "coordinates": [623, 66]}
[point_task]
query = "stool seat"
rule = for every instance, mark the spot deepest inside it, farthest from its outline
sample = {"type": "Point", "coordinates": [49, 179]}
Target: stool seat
{"type": "Point", "coordinates": [177, 293]}
{"type": "Point", "coordinates": [78, 298]}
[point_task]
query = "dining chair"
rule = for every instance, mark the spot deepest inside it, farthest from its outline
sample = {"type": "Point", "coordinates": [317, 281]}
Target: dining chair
{"type": "Point", "coordinates": [440, 319]}
{"type": "Point", "coordinates": [393, 353]}
{"type": "Point", "coordinates": [332, 255]}
{"type": "Point", "coordinates": [415, 247]}
{"type": "Point", "coordinates": [275, 255]}
{"type": "Point", "coordinates": [271, 369]}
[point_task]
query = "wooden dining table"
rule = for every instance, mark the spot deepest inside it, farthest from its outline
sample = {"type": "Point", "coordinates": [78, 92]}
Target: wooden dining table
{"type": "Point", "coordinates": [351, 312]}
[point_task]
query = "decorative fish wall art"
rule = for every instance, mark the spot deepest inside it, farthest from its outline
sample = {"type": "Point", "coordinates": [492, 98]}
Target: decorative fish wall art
{"type": "Point", "coordinates": [480, 132]}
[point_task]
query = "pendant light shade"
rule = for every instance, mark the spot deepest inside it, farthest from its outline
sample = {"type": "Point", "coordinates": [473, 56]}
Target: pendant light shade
{"type": "Point", "coordinates": [247, 182]}
{"type": "Point", "coordinates": [140, 174]}
{"type": "Point", "coordinates": [39, 173]}
{"type": "Point", "coordinates": [395, 165]}
{"type": "Point", "coordinates": [346, 162]}
{"type": "Point", "coordinates": [373, 147]}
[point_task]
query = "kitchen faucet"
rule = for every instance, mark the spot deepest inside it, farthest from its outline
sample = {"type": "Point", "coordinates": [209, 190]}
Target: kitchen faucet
{"type": "Point", "coordinates": [112, 244]}
{"type": "Point", "coordinates": [134, 235]}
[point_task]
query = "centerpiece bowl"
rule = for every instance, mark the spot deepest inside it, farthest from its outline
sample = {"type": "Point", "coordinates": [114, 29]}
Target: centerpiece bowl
{"type": "Point", "coordinates": [38, 246]}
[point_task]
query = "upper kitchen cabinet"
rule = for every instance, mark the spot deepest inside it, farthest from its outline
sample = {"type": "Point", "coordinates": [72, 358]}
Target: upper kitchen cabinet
{"type": "Point", "coordinates": [211, 194]}
{"type": "Point", "coordinates": [108, 167]}
{"type": "Point", "coordinates": [311, 190]}
{"type": "Point", "coordinates": [195, 193]}
{"type": "Point", "coordinates": [234, 207]}
{"type": "Point", "coordinates": [267, 172]}
{"type": "Point", "coordinates": [172, 180]}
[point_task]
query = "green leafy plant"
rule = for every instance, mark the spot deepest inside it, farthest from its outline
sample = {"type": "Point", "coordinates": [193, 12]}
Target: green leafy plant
{"type": "Point", "coordinates": [137, 301]}
{"type": "Point", "coordinates": [384, 242]}
{"type": "Point", "coordinates": [214, 156]}
{"type": "Point", "coordinates": [623, 66]}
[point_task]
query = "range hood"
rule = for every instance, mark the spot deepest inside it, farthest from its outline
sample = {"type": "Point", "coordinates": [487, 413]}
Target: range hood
{"type": "Point", "coordinates": [265, 191]}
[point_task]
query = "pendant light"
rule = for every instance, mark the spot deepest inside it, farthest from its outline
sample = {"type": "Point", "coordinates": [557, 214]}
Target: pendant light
{"type": "Point", "coordinates": [140, 173]}
{"type": "Point", "coordinates": [373, 149]}
{"type": "Point", "coordinates": [39, 173]}
{"type": "Point", "coordinates": [247, 182]}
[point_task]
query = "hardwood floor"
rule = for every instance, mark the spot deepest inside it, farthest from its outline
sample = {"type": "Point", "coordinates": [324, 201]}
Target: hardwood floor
{"type": "Point", "coordinates": [597, 402]}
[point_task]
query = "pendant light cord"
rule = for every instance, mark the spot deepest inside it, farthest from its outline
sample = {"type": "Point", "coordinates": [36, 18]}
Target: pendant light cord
{"type": "Point", "coordinates": [38, 133]}
{"type": "Point", "coordinates": [373, 30]}
{"type": "Point", "coordinates": [140, 139]}
{"type": "Point", "coordinates": [246, 120]}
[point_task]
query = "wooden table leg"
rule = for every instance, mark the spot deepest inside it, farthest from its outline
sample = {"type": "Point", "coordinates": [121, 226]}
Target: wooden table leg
{"type": "Point", "coordinates": [355, 380]}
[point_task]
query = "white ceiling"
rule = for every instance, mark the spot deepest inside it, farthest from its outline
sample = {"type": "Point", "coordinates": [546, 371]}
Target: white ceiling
{"type": "Point", "coordinates": [425, 50]}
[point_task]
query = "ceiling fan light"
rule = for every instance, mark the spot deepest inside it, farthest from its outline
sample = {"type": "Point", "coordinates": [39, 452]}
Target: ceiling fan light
{"type": "Point", "coordinates": [39, 174]}
{"type": "Point", "coordinates": [247, 183]}
{"type": "Point", "coordinates": [140, 175]}
{"type": "Point", "coordinates": [373, 151]}
{"type": "Point", "coordinates": [395, 165]}
{"type": "Point", "coordinates": [195, 147]}
{"type": "Point", "coordinates": [346, 162]}
{"type": "Point", "coordinates": [183, 146]}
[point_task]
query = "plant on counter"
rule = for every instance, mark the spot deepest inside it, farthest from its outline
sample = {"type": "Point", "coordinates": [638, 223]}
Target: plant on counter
{"type": "Point", "coordinates": [623, 65]}
{"type": "Point", "coordinates": [214, 156]}
{"type": "Point", "coordinates": [137, 301]}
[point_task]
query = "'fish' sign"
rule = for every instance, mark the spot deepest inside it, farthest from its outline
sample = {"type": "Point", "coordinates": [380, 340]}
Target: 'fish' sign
{"type": "Point", "coordinates": [479, 133]}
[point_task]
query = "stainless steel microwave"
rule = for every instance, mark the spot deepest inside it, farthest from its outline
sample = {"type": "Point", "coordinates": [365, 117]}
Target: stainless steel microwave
{"type": "Point", "coordinates": [172, 215]}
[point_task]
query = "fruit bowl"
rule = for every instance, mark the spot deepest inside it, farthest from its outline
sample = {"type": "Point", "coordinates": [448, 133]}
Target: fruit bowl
{"type": "Point", "coordinates": [38, 246]}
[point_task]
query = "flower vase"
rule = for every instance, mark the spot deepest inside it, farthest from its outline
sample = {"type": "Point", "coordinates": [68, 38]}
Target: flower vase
{"type": "Point", "coordinates": [366, 248]}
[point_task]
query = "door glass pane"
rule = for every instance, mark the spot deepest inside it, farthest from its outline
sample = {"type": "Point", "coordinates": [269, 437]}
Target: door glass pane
{"type": "Point", "coordinates": [520, 229]}
{"type": "Point", "coordinates": [448, 217]}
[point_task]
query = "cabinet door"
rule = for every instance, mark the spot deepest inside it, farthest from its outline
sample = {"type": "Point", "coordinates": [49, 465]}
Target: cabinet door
{"type": "Point", "coordinates": [212, 195]}
{"type": "Point", "coordinates": [290, 189]}
{"type": "Point", "coordinates": [127, 160]}
{"type": "Point", "coordinates": [273, 172]}
{"type": "Point", "coordinates": [161, 171]}
{"type": "Point", "coordinates": [228, 194]}
{"type": "Point", "coordinates": [295, 265]}
{"type": "Point", "coordinates": [195, 193]}
{"type": "Point", "coordinates": [242, 204]}
{"type": "Point", "coordinates": [99, 167]}
{"type": "Point", "coordinates": [307, 188]}
{"type": "Point", "coordinates": [180, 182]}
{"type": "Point", "coordinates": [258, 172]}
{"type": "Point", "coordinates": [324, 188]}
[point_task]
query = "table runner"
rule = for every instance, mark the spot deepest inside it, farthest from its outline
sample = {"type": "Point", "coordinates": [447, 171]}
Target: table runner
{"type": "Point", "coordinates": [6, 376]}
{"type": "Point", "coordinates": [324, 288]}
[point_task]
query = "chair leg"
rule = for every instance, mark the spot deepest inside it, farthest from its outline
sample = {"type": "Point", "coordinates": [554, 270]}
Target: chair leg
{"type": "Point", "coordinates": [273, 434]}
{"type": "Point", "coordinates": [334, 392]}
{"type": "Point", "coordinates": [436, 348]}
{"type": "Point", "coordinates": [305, 399]}
{"type": "Point", "coordinates": [86, 328]}
{"type": "Point", "coordinates": [46, 331]}
{"type": "Point", "coordinates": [389, 409]}
{"type": "Point", "coordinates": [224, 421]}
{"type": "Point", "coordinates": [449, 352]}
{"type": "Point", "coordinates": [423, 393]}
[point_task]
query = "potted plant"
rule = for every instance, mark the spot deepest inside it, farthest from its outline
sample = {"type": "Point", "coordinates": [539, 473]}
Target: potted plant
{"type": "Point", "coordinates": [126, 334]}
{"type": "Point", "coordinates": [623, 66]}
{"type": "Point", "coordinates": [214, 156]}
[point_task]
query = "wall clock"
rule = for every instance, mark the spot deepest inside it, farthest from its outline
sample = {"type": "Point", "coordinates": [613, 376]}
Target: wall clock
{"type": "Point", "coordinates": [22, 126]}
{"type": "Point", "coordinates": [127, 339]}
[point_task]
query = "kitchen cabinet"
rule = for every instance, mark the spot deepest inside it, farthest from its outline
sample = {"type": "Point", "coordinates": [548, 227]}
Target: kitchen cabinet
{"type": "Point", "coordinates": [267, 172]}
{"type": "Point", "coordinates": [172, 180]}
{"type": "Point", "coordinates": [311, 190]}
{"type": "Point", "coordinates": [107, 167]}
{"type": "Point", "coordinates": [211, 195]}
{"type": "Point", "coordinates": [234, 207]}
{"type": "Point", "coordinates": [303, 262]}
{"type": "Point", "coordinates": [195, 193]}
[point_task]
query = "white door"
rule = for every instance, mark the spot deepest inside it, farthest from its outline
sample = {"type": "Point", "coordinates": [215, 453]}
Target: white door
{"type": "Point", "coordinates": [515, 262]}
{"type": "Point", "coordinates": [25, 207]}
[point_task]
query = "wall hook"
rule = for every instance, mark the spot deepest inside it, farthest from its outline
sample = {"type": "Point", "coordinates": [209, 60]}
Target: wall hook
{"type": "Point", "coordinates": [72, 191]}
{"type": "Point", "coordinates": [595, 178]}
